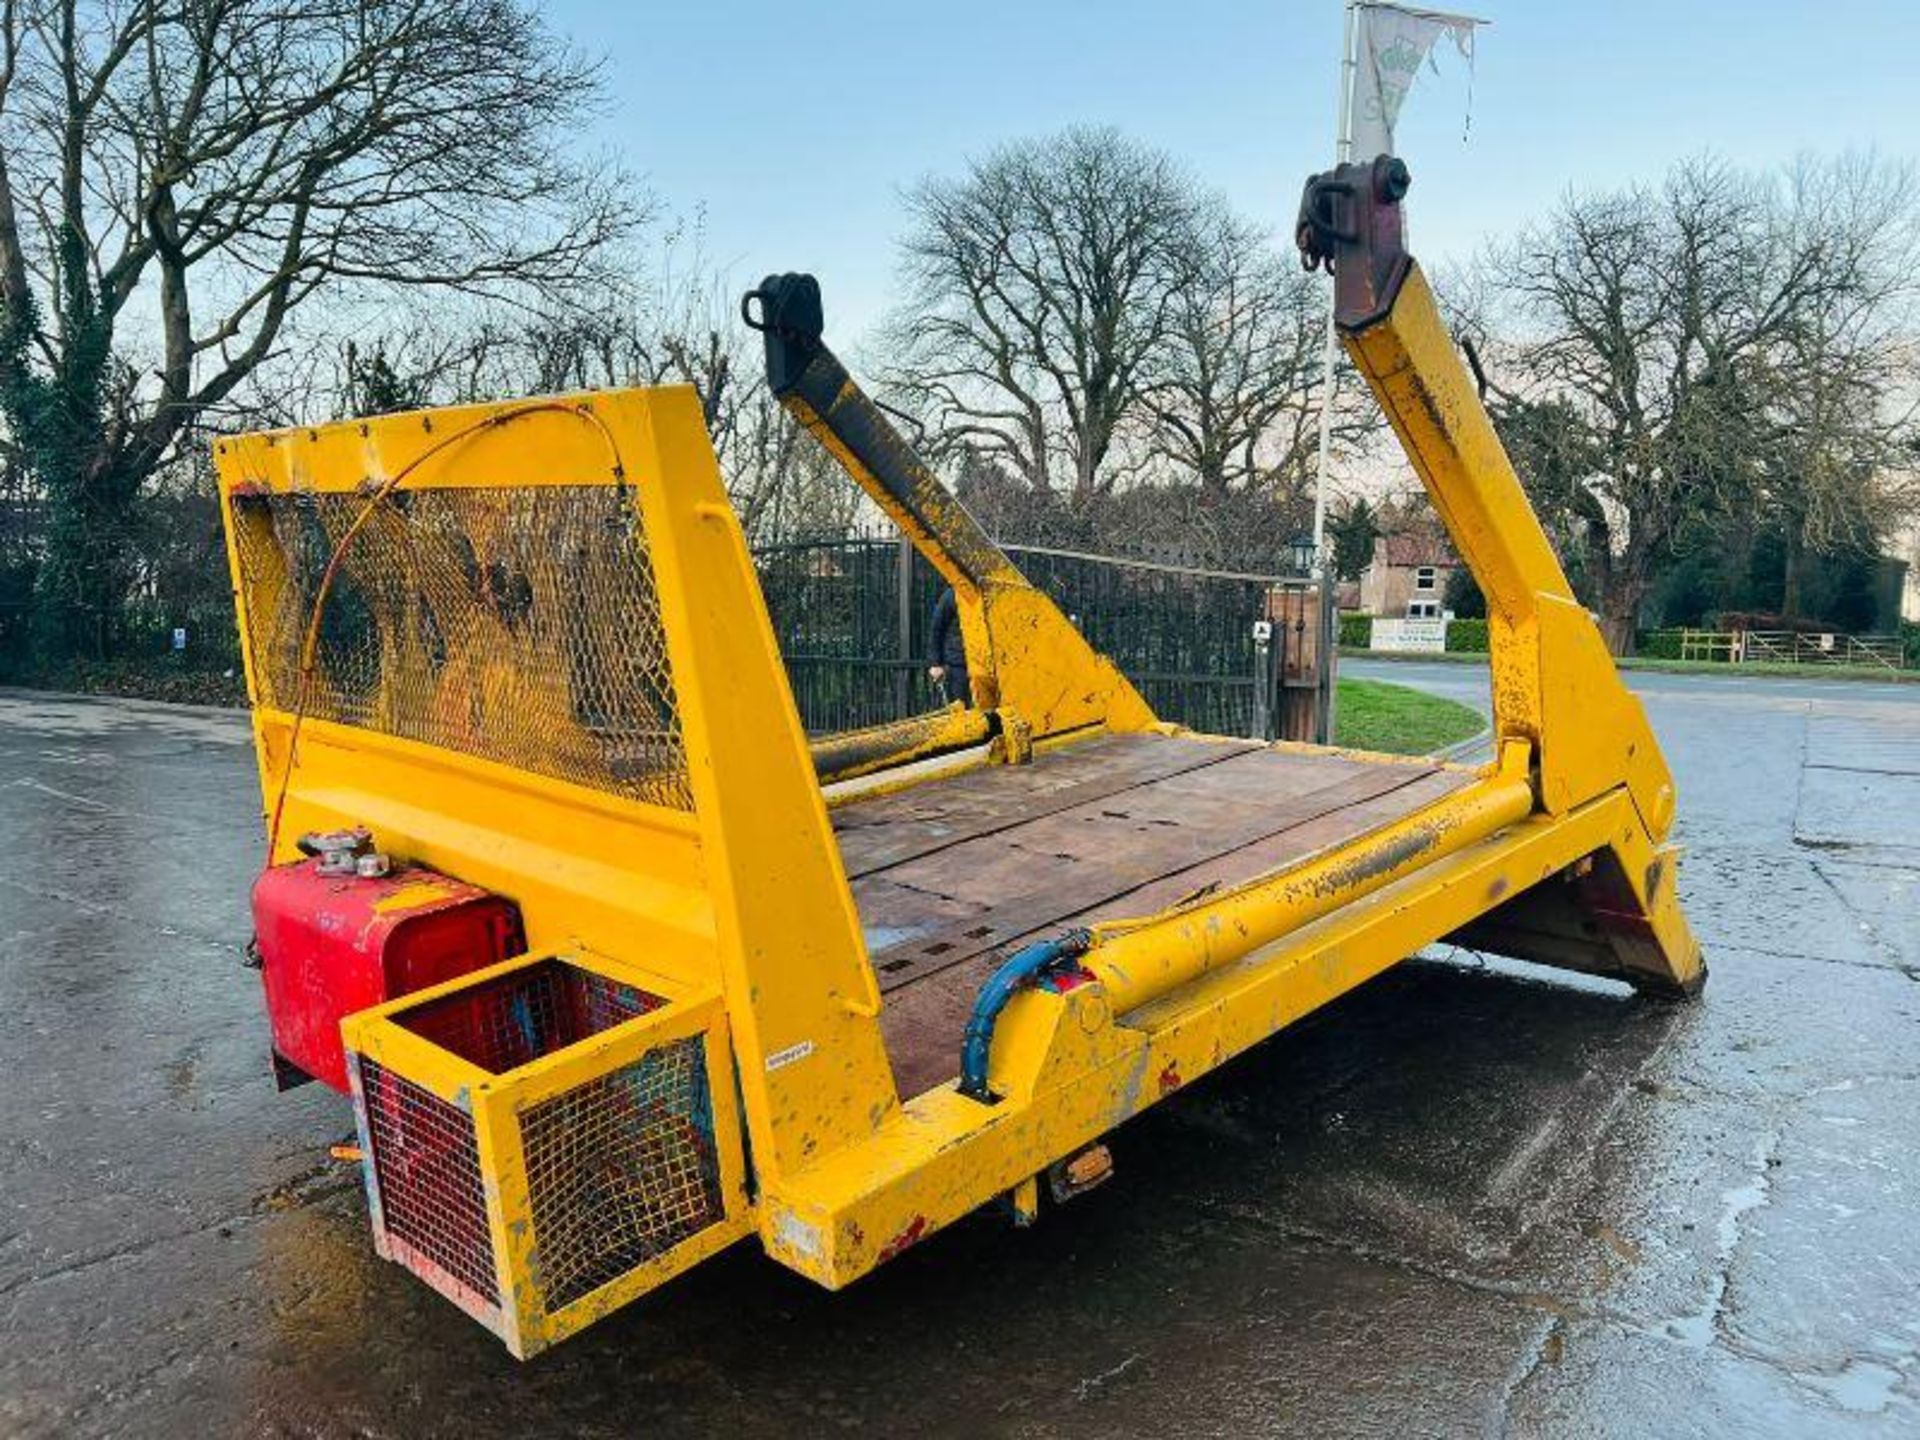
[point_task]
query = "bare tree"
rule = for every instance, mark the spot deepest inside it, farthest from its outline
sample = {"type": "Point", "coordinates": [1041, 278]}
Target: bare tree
{"type": "Point", "coordinates": [1232, 393]}
{"type": "Point", "coordinates": [1836, 466]}
{"type": "Point", "coordinates": [1042, 282]}
{"type": "Point", "coordinates": [1652, 359]}
{"type": "Point", "coordinates": [221, 163]}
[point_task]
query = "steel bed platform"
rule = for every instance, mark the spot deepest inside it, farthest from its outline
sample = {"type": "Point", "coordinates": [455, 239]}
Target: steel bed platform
{"type": "Point", "coordinates": [950, 874]}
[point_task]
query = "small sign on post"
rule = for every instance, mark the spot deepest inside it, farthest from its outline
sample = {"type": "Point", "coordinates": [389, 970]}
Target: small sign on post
{"type": "Point", "coordinates": [1409, 635]}
{"type": "Point", "coordinates": [1263, 681]}
{"type": "Point", "coordinates": [179, 637]}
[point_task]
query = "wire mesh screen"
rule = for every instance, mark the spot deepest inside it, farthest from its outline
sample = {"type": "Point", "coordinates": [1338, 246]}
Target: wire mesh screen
{"type": "Point", "coordinates": [512, 1019]}
{"type": "Point", "coordinates": [621, 1169]}
{"type": "Point", "coordinates": [518, 624]}
{"type": "Point", "coordinates": [426, 1163]}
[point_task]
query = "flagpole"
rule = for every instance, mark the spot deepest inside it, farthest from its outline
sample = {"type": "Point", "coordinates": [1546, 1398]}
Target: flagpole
{"type": "Point", "coordinates": [1343, 152]}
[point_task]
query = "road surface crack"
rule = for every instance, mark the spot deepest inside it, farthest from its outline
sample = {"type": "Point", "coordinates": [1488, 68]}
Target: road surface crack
{"type": "Point", "coordinates": [1548, 1346]}
{"type": "Point", "coordinates": [93, 906]}
{"type": "Point", "coordinates": [1867, 928]}
{"type": "Point", "coordinates": [1706, 1326]}
{"type": "Point", "coordinates": [317, 1183]}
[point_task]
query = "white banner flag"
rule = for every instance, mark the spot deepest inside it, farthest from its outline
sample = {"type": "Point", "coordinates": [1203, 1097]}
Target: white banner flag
{"type": "Point", "coordinates": [1390, 46]}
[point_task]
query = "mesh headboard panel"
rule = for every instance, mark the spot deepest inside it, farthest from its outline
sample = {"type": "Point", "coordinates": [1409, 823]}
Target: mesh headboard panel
{"type": "Point", "coordinates": [516, 624]}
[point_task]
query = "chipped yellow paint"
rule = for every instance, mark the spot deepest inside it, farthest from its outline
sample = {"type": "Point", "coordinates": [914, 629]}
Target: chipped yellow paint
{"type": "Point", "coordinates": [414, 895]}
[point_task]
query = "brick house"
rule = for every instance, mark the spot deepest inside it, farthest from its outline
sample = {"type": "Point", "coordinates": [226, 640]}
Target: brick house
{"type": "Point", "coordinates": [1407, 576]}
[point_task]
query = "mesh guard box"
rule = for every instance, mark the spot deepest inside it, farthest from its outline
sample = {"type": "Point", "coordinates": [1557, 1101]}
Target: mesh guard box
{"type": "Point", "coordinates": [547, 1139]}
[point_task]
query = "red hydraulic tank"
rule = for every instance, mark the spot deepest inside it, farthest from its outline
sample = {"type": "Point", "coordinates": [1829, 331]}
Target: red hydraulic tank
{"type": "Point", "coordinates": [331, 944]}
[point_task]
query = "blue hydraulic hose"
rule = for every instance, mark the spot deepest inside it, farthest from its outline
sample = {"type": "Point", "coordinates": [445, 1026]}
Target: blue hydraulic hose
{"type": "Point", "coordinates": [1023, 969]}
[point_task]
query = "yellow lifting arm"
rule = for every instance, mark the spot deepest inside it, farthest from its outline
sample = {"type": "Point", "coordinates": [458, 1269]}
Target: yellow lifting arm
{"type": "Point", "coordinates": [1028, 662]}
{"type": "Point", "coordinates": [1554, 684]}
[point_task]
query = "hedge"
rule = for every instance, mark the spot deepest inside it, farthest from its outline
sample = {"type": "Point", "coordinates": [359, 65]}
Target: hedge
{"type": "Point", "coordinates": [1356, 630]}
{"type": "Point", "coordinates": [1658, 644]}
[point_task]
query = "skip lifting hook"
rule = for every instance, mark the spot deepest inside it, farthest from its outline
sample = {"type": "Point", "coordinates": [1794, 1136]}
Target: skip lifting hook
{"type": "Point", "coordinates": [1316, 231]}
{"type": "Point", "coordinates": [1326, 217]}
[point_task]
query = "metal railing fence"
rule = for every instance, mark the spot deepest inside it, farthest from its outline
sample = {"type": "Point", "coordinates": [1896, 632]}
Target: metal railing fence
{"type": "Point", "coordinates": [851, 615]}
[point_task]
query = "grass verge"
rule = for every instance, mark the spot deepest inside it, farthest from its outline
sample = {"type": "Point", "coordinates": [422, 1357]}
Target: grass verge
{"type": "Point", "coordinates": [1374, 715]}
{"type": "Point", "coordinates": [1875, 673]}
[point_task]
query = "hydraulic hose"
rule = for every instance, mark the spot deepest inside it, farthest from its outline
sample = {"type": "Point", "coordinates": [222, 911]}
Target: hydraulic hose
{"type": "Point", "coordinates": [1026, 967]}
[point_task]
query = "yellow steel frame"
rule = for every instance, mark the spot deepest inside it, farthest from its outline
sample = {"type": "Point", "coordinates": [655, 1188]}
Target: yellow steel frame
{"type": "Point", "coordinates": [745, 894]}
{"type": "Point", "coordinates": [744, 904]}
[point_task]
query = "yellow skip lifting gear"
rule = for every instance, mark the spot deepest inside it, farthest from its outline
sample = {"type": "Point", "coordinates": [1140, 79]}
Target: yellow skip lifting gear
{"type": "Point", "coordinates": [839, 994]}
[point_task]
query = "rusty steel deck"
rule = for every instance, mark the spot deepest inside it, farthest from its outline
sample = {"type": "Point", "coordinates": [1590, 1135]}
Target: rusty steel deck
{"type": "Point", "coordinates": [950, 874]}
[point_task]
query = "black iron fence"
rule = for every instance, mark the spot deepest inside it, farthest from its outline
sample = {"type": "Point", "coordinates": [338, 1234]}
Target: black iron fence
{"type": "Point", "coordinates": [852, 614]}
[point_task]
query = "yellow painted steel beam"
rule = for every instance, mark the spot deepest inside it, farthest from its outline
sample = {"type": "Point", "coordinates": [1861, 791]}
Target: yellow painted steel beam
{"type": "Point", "coordinates": [852, 753]}
{"type": "Point", "coordinates": [1425, 392]}
{"type": "Point", "coordinates": [802, 1002]}
{"type": "Point", "coordinates": [468, 447]}
{"type": "Point", "coordinates": [943, 1155]}
{"type": "Point", "coordinates": [1141, 962]}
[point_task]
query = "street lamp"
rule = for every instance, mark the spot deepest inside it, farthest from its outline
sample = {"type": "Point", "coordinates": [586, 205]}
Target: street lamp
{"type": "Point", "coordinates": [1301, 548]}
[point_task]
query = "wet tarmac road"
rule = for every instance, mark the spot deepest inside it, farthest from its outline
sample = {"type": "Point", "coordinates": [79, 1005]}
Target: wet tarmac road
{"type": "Point", "coordinates": [1464, 1200]}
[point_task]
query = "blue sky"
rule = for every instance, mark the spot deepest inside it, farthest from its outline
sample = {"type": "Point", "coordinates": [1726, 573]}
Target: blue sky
{"type": "Point", "coordinates": [794, 127]}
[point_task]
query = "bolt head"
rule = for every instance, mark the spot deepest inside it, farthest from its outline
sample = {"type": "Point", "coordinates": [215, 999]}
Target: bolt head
{"type": "Point", "coordinates": [1394, 180]}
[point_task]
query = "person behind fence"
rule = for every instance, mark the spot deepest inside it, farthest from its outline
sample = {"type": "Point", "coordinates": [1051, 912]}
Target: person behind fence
{"type": "Point", "coordinates": [947, 651]}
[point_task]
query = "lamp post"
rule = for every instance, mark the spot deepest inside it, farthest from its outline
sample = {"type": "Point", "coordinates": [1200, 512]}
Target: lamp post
{"type": "Point", "coordinates": [1303, 550]}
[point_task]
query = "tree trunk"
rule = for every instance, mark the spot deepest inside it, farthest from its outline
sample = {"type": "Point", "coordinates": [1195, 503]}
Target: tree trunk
{"type": "Point", "coordinates": [1212, 472]}
{"type": "Point", "coordinates": [62, 430]}
{"type": "Point", "coordinates": [1085, 478]}
{"type": "Point", "coordinates": [68, 603]}
{"type": "Point", "coordinates": [1790, 573]}
{"type": "Point", "coordinates": [1620, 602]}
{"type": "Point", "coordinates": [1618, 630]}
{"type": "Point", "coordinates": [81, 589]}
